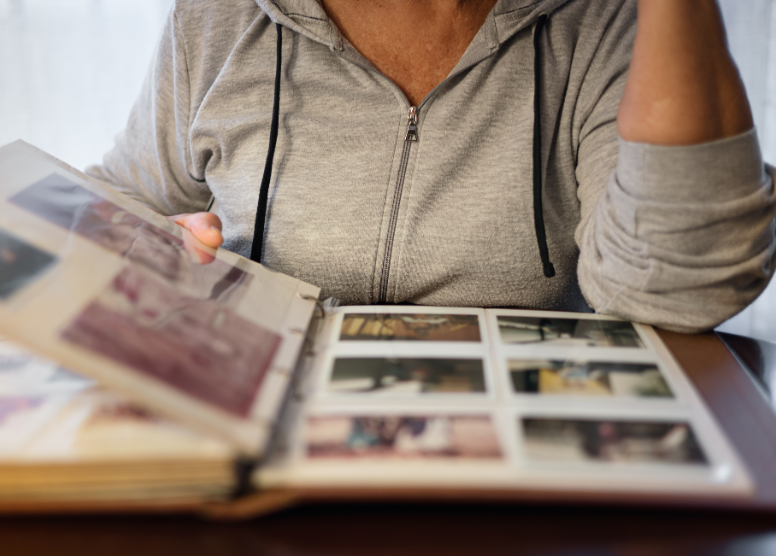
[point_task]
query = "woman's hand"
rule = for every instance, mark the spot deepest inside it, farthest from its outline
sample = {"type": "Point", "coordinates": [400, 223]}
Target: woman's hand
{"type": "Point", "coordinates": [683, 87]}
{"type": "Point", "coordinates": [204, 226]}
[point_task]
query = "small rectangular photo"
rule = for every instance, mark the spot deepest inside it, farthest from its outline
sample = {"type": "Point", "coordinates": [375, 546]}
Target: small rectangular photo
{"type": "Point", "coordinates": [588, 378]}
{"type": "Point", "coordinates": [568, 332]}
{"type": "Point", "coordinates": [391, 376]}
{"type": "Point", "coordinates": [611, 441]}
{"type": "Point", "coordinates": [402, 437]}
{"type": "Point", "coordinates": [425, 327]}
{"type": "Point", "coordinates": [20, 264]}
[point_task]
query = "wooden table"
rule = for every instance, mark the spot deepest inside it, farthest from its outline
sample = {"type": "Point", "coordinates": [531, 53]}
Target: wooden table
{"type": "Point", "coordinates": [743, 411]}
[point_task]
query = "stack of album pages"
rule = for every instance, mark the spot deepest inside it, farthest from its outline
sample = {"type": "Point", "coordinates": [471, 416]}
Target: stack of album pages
{"type": "Point", "coordinates": [62, 437]}
{"type": "Point", "coordinates": [214, 382]}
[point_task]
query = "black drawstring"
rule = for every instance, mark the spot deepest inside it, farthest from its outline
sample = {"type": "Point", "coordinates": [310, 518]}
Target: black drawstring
{"type": "Point", "coordinates": [541, 233]}
{"type": "Point", "coordinates": [261, 211]}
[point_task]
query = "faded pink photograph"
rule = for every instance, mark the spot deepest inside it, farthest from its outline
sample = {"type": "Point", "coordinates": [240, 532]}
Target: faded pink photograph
{"type": "Point", "coordinates": [196, 346]}
{"type": "Point", "coordinates": [402, 437]}
{"type": "Point", "coordinates": [75, 208]}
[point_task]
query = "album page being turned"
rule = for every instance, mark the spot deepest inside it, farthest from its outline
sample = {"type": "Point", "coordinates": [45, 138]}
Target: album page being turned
{"type": "Point", "coordinates": [112, 290]}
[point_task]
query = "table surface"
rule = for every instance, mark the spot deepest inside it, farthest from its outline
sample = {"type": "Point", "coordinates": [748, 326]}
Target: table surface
{"type": "Point", "coordinates": [453, 529]}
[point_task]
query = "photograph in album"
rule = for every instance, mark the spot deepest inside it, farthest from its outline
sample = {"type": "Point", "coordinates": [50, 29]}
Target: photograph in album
{"type": "Point", "coordinates": [588, 378]}
{"type": "Point", "coordinates": [568, 332]}
{"type": "Point", "coordinates": [386, 376]}
{"type": "Point", "coordinates": [611, 441]}
{"type": "Point", "coordinates": [20, 263]}
{"type": "Point", "coordinates": [402, 436]}
{"type": "Point", "coordinates": [192, 270]}
{"type": "Point", "coordinates": [197, 345]}
{"type": "Point", "coordinates": [410, 327]}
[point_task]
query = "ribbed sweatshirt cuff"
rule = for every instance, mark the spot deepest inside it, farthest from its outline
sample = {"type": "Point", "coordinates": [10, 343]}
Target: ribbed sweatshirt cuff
{"type": "Point", "coordinates": [714, 172]}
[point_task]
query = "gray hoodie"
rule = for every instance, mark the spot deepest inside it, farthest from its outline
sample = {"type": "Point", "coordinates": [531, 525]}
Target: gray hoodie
{"type": "Point", "coordinates": [681, 237]}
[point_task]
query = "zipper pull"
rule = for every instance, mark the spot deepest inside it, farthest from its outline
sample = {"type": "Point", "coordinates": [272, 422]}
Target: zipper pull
{"type": "Point", "coordinates": [412, 125]}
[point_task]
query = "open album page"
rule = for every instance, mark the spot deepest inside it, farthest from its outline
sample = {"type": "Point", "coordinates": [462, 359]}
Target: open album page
{"type": "Point", "coordinates": [113, 290]}
{"type": "Point", "coordinates": [470, 398]}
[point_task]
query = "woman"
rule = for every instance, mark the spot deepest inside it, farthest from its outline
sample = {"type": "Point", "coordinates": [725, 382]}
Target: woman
{"type": "Point", "coordinates": [462, 152]}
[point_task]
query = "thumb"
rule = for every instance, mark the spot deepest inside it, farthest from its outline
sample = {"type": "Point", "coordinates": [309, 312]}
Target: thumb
{"type": "Point", "coordinates": [204, 226]}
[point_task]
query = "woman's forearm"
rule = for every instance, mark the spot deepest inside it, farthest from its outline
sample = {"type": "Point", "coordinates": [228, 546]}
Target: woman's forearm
{"type": "Point", "coordinates": [683, 87]}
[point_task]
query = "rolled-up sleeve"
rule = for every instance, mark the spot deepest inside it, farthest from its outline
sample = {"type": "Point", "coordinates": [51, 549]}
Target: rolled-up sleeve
{"type": "Point", "coordinates": [683, 237]}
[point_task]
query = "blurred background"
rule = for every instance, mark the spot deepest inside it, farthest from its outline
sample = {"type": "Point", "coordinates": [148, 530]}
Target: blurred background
{"type": "Point", "coordinates": [71, 69]}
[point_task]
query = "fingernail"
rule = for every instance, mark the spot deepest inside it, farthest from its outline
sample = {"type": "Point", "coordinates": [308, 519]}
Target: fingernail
{"type": "Point", "coordinates": [215, 230]}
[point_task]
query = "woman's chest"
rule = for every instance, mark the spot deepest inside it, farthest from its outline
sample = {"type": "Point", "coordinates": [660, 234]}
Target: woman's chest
{"type": "Point", "coordinates": [356, 208]}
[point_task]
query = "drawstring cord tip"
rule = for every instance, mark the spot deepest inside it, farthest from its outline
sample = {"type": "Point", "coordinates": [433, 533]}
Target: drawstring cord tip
{"type": "Point", "coordinates": [549, 270]}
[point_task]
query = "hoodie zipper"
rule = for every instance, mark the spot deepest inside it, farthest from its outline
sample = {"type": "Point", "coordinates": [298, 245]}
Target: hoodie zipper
{"type": "Point", "coordinates": [410, 137]}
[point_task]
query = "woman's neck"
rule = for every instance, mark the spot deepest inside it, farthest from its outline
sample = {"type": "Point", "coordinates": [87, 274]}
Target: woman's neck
{"type": "Point", "coordinates": [415, 43]}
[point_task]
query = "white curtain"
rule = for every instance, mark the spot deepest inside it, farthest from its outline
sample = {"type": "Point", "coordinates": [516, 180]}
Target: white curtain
{"type": "Point", "coordinates": [751, 28]}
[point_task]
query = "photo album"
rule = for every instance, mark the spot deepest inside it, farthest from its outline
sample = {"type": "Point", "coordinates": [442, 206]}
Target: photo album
{"type": "Point", "coordinates": [141, 370]}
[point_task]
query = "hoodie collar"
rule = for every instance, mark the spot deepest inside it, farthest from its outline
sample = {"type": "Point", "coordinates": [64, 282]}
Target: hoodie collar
{"type": "Point", "coordinates": [308, 18]}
